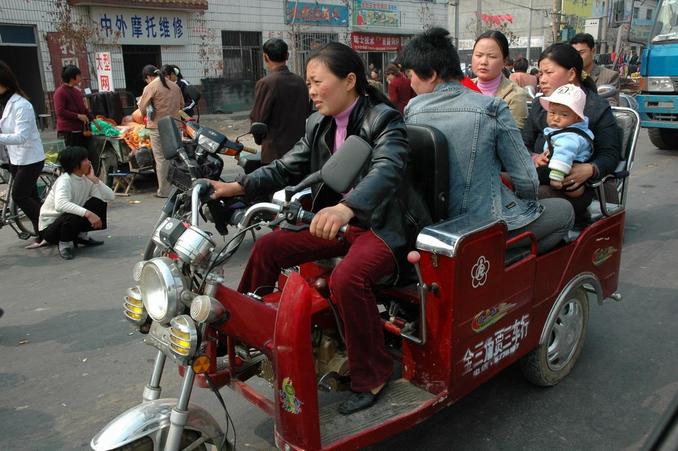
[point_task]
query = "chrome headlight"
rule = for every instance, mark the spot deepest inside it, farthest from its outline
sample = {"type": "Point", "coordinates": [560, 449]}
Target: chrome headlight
{"type": "Point", "coordinates": [659, 84]}
{"type": "Point", "coordinates": [183, 337]}
{"type": "Point", "coordinates": [161, 286]}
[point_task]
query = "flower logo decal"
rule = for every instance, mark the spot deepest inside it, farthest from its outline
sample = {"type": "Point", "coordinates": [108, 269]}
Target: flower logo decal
{"type": "Point", "coordinates": [479, 272]}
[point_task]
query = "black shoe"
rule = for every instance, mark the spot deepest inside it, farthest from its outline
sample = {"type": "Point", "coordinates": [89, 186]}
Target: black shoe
{"type": "Point", "coordinates": [88, 242]}
{"type": "Point", "coordinates": [357, 401]}
{"type": "Point", "coordinates": [66, 253]}
{"type": "Point", "coordinates": [2, 312]}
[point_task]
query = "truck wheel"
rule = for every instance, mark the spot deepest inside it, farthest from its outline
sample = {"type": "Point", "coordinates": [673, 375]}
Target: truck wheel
{"type": "Point", "coordinates": [663, 138]}
{"type": "Point", "coordinates": [549, 363]}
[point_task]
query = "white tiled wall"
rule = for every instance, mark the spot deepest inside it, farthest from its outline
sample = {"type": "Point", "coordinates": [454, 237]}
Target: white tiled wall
{"type": "Point", "coordinates": [204, 30]}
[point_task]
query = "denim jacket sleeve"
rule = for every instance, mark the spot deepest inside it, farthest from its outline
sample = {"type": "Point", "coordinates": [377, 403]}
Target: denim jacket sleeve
{"type": "Point", "coordinates": [514, 156]}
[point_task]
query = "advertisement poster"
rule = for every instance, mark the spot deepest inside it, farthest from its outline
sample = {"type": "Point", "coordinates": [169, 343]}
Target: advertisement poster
{"type": "Point", "coordinates": [376, 14]}
{"type": "Point", "coordinates": [319, 14]}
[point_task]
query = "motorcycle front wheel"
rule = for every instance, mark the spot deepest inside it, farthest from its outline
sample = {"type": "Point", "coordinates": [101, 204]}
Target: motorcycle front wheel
{"type": "Point", "coordinates": [188, 438]}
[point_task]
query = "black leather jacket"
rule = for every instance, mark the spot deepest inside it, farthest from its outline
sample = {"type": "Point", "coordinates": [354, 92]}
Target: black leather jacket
{"type": "Point", "coordinates": [381, 198]}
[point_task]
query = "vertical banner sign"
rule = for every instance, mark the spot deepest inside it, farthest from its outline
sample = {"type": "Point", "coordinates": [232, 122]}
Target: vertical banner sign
{"type": "Point", "coordinates": [104, 71]}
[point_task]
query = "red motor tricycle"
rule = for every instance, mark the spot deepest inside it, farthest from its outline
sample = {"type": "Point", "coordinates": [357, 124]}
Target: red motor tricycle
{"type": "Point", "coordinates": [478, 303]}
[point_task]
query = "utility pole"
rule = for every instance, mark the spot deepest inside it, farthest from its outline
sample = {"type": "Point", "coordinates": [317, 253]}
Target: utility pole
{"type": "Point", "coordinates": [606, 24]}
{"type": "Point", "coordinates": [529, 36]}
{"type": "Point", "coordinates": [453, 24]}
{"type": "Point", "coordinates": [479, 22]}
{"type": "Point", "coordinates": [555, 19]}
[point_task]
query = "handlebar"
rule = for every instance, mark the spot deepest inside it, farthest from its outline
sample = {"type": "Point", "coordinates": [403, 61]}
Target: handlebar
{"type": "Point", "coordinates": [293, 214]}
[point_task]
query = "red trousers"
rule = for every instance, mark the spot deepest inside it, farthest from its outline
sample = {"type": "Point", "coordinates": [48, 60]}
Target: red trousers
{"type": "Point", "coordinates": [366, 261]}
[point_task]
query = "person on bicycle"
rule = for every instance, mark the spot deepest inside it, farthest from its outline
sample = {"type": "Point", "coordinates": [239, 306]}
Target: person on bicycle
{"type": "Point", "coordinates": [380, 208]}
{"type": "Point", "coordinates": [19, 133]}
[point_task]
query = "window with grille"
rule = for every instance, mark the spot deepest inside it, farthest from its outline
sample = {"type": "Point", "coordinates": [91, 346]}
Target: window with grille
{"type": "Point", "coordinates": [305, 43]}
{"type": "Point", "coordinates": [242, 55]}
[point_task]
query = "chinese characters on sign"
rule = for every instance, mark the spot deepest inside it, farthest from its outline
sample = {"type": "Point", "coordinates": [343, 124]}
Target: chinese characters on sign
{"type": "Point", "coordinates": [375, 42]}
{"type": "Point", "coordinates": [495, 348]}
{"type": "Point", "coordinates": [141, 27]}
{"type": "Point", "coordinates": [304, 13]}
{"type": "Point", "coordinates": [375, 14]}
{"type": "Point", "coordinates": [104, 71]}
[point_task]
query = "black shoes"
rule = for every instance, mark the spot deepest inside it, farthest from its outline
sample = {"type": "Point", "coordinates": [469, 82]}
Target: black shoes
{"type": "Point", "coordinates": [358, 401]}
{"type": "Point", "coordinates": [88, 242]}
{"type": "Point", "coordinates": [66, 253]}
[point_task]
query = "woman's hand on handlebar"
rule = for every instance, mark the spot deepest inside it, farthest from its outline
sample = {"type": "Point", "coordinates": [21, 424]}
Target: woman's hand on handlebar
{"type": "Point", "coordinates": [230, 189]}
{"type": "Point", "coordinates": [327, 222]}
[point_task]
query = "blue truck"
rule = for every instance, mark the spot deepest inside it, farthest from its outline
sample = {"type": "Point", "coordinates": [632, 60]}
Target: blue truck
{"type": "Point", "coordinates": [658, 99]}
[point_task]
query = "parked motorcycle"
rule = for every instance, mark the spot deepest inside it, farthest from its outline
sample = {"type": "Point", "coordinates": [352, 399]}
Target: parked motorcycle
{"type": "Point", "coordinates": [199, 158]}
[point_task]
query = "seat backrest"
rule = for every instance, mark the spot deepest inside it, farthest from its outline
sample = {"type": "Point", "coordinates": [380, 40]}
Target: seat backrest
{"type": "Point", "coordinates": [428, 169]}
{"type": "Point", "coordinates": [629, 122]}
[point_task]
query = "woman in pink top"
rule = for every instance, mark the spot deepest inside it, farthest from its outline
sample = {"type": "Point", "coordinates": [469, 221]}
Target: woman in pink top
{"type": "Point", "coordinates": [490, 53]}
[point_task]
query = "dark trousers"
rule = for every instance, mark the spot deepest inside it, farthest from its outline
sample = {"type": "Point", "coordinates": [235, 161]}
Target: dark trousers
{"type": "Point", "coordinates": [25, 189]}
{"type": "Point", "coordinates": [72, 139]}
{"type": "Point", "coordinates": [366, 261]}
{"type": "Point", "coordinates": [67, 226]}
{"type": "Point", "coordinates": [78, 139]}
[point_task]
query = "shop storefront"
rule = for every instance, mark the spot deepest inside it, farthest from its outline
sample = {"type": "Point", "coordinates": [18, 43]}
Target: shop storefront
{"type": "Point", "coordinates": [378, 35]}
{"type": "Point", "coordinates": [19, 49]}
{"type": "Point", "coordinates": [313, 25]}
{"type": "Point", "coordinates": [377, 50]}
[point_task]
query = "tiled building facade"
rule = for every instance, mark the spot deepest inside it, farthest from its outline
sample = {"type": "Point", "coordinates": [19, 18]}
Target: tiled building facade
{"type": "Point", "coordinates": [216, 43]}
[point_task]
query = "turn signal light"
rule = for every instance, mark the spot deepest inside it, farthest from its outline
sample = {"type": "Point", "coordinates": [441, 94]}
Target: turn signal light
{"type": "Point", "coordinates": [201, 364]}
{"type": "Point", "coordinates": [183, 336]}
{"type": "Point", "coordinates": [133, 307]}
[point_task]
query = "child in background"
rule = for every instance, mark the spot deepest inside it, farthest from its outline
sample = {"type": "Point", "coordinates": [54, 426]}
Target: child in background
{"type": "Point", "coordinates": [568, 138]}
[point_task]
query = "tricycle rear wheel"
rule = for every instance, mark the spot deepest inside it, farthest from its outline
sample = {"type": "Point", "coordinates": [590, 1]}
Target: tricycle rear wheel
{"type": "Point", "coordinates": [549, 363]}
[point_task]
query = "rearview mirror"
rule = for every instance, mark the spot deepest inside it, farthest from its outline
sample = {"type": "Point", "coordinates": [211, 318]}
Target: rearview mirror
{"type": "Point", "coordinates": [170, 139]}
{"type": "Point", "coordinates": [341, 169]}
{"type": "Point", "coordinates": [258, 128]}
{"type": "Point", "coordinates": [607, 91]}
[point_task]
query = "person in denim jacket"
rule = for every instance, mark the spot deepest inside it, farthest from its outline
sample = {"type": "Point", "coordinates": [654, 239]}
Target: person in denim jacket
{"type": "Point", "coordinates": [482, 138]}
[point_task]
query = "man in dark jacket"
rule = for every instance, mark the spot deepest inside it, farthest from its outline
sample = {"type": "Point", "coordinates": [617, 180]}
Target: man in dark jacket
{"type": "Point", "coordinates": [281, 102]}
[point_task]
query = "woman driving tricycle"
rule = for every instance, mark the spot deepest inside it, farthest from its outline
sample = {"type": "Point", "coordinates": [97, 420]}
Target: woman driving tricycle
{"type": "Point", "coordinates": [380, 208]}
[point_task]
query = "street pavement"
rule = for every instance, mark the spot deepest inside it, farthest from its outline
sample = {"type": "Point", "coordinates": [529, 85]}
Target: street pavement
{"type": "Point", "coordinates": [69, 362]}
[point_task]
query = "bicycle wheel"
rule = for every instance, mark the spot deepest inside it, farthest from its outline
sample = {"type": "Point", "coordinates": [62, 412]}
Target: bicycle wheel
{"type": "Point", "coordinates": [23, 223]}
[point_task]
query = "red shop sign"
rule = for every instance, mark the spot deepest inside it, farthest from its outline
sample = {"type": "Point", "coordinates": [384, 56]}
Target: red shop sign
{"type": "Point", "coordinates": [375, 42]}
